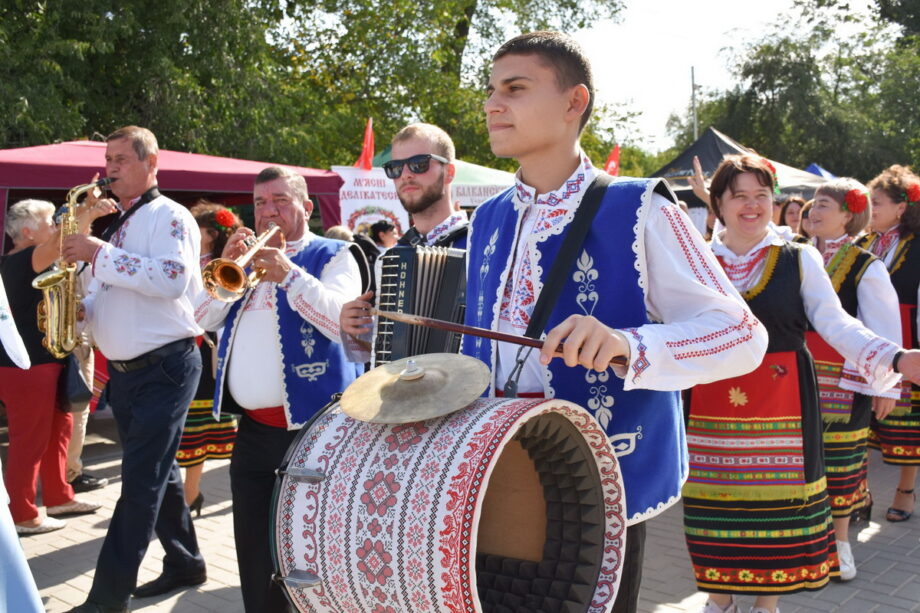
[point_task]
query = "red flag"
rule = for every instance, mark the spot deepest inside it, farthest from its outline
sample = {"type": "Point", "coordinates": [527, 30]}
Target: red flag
{"type": "Point", "coordinates": [612, 167]}
{"type": "Point", "coordinates": [366, 159]}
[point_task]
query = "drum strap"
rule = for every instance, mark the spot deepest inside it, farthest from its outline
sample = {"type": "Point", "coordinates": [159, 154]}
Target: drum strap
{"type": "Point", "coordinates": [571, 245]}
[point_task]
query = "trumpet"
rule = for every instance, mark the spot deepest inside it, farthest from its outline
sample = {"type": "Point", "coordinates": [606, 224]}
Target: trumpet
{"type": "Point", "coordinates": [226, 279]}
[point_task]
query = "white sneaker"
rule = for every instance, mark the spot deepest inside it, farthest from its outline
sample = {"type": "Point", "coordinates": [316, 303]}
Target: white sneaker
{"type": "Point", "coordinates": [847, 563]}
{"type": "Point", "coordinates": [712, 607]}
{"type": "Point", "coordinates": [48, 524]}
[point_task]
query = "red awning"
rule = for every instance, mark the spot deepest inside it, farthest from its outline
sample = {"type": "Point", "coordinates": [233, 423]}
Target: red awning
{"type": "Point", "coordinates": [37, 170]}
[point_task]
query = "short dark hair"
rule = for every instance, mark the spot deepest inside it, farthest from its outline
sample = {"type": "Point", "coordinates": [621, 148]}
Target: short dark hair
{"type": "Point", "coordinates": [142, 140]}
{"type": "Point", "coordinates": [379, 227]}
{"type": "Point", "coordinates": [295, 181]}
{"type": "Point", "coordinates": [728, 172]}
{"type": "Point", "coordinates": [563, 54]}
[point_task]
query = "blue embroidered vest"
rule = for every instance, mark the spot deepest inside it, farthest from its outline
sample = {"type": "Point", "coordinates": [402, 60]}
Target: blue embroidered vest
{"type": "Point", "coordinates": [644, 426]}
{"type": "Point", "coordinates": [315, 367]}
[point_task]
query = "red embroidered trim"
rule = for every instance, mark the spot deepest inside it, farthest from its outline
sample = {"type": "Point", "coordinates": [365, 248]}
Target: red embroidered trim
{"type": "Point", "coordinates": [315, 316]}
{"type": "Point", "coordinates": [690, 249]}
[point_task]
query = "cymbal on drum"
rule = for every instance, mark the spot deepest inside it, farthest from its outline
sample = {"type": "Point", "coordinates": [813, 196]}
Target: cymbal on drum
{"type": "Point", "coordinates": [416, 388]}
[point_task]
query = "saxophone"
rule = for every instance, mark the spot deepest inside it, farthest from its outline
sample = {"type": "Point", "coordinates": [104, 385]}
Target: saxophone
{"type": "Point", "coordinates": [57, 312]}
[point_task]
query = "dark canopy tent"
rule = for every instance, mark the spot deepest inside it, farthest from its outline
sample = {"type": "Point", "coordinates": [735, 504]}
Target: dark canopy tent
{"type": "Point", "coordinates": [711, 147]}
{"type": "Point", "coordinates": [48, 171]}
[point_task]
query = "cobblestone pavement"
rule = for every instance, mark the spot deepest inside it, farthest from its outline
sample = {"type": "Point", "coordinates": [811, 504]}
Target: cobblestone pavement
{"type": "Point", "coordinates": [887, 555]}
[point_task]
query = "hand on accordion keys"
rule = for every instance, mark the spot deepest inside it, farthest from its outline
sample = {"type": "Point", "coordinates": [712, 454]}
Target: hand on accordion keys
{"type": "Point", "coordinates": [356, 318]}
{"type": "Point", "coordinates": [585, 342]}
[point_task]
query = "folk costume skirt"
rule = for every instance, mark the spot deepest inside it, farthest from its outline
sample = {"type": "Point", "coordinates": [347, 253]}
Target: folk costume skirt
{"type": "Point", "coordinates": [846, 430]}
{"type": "Point", "coordinates": [756, 512]}
{"type": "Point", "coordinates": [203, 438]}
{"type": "Point", "coordinates": [898, 435]}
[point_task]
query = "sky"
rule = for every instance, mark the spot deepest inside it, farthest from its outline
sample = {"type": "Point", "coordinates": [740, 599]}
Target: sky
{"type": "Point", "coordinates": [645, 59]}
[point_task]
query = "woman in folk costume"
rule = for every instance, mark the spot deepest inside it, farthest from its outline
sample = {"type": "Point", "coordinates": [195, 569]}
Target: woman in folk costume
{"type": "Point", "coordinates": [756, 513]}
{"type": "Point", "coordinates": [203, 437]}
{"type": "Point", "coordinates": [839, 213]}
{"type": "Point", "coordinates": [895, 225]}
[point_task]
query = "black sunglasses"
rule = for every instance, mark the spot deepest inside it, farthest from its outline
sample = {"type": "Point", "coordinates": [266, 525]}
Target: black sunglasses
{"type": "Point", "coordinates": [418, 164]}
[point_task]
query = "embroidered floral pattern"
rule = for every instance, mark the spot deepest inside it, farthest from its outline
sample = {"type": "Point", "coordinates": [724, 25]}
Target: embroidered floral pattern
{"type": "Point", "coordinates": [455, 220]}
{"type": "Point", "coordinates": [172, 269]}
{"type": "Point", "coordinates": [178, 229]}
{"type": "Point", "coordinates": [127, 264]}
{"type": "Point", "coordinates": [640, 363]}
{"type": "Point", "coordinates": [585, 276]}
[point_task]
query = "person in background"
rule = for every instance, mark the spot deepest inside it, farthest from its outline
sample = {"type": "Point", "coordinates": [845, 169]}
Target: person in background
{"type": "Point", "coordinates": [340, 233]}
{"type": "Point", "coordinates": [39, 430]}
{"type": "Point", "coordinates": [145, 275]}
{"type": "Point", "coordinates": [895, 227]}
{"type": "Point", "coordinates": [791, 212]}
{"type": "Point", "coordinates": [840, 212]}
{"type": "Point", "coordinates": [384, 235]}
{"type": "Point", "coordinates": [804, 229]}
{"type": "Point", "coordinates": [17, 586]}
{"type": "Point", "coordinates": [203, 436]}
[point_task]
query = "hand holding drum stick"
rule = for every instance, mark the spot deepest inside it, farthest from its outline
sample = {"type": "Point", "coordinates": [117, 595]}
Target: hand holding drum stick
{"type": "Point", "coordinates": [440, 324]}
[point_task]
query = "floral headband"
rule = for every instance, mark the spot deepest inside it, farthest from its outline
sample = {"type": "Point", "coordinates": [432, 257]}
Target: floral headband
{"type": "Point", "coordinates": [855, 201]}
{"type": "Point", "coordinates": [912, 193]}
{"type": "Point", "coordinates": [224, 220]}
{"type": "Point", "coordinates": [772, 169]}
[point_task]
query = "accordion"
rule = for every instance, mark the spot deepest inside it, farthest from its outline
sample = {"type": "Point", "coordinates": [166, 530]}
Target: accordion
{"type": "Point", "coordinates": [427, 281]}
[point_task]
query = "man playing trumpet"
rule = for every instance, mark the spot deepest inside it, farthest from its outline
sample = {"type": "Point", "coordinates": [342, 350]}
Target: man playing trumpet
{"type": "Point", "coordinates": [280, 359]}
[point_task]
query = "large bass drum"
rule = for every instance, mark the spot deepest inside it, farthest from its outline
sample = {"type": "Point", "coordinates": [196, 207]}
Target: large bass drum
{"type": "Point", "coordinates": [505, 506]}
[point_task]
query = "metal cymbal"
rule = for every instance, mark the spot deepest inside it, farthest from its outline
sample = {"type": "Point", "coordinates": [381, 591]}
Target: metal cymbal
{"type": "Point", "coordinates": [415, 389]}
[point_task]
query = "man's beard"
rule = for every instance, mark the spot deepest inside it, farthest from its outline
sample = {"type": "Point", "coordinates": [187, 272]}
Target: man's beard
{"type": "Point", "coordinates": [425, 200]}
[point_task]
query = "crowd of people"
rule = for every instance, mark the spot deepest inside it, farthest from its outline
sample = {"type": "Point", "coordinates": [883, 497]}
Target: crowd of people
{"type": "Point", "coordinates": [760, 365]}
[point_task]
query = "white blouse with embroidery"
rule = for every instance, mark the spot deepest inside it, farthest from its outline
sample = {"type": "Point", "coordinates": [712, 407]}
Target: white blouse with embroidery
{"type": "Point", "coordinates": [256, 345]}
{"type": "Point", "coordinates": [144, 282]}
{"type": "Point", "coordinates": [708, 332]}
{"type": "Point", "coordinates": [870, 354]}
{"type": "Point", "coordinates": [877, 309]}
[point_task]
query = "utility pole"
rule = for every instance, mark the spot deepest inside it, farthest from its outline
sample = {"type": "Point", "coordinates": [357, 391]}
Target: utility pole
{"type": "Point", "coordinates": [696, 125]}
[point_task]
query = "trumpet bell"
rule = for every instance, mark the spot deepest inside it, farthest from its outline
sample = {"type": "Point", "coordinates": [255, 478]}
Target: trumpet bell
{"type": "Point", "coordinates": [225, 280]}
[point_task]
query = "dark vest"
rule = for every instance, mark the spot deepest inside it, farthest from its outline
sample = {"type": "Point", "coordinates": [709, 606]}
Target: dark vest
{"type": "Point", "coordinates": [776, 299]}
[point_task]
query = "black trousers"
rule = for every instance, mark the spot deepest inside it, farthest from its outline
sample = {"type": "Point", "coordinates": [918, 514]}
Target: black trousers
{"type": "Point", "coordinates": [257, 453]}
{"type": "Point", "coordinates": [627, 600]}
{"type": "Point", "coordinates": [149, 406]}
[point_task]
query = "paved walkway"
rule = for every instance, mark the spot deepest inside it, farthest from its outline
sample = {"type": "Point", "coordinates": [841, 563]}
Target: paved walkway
{"type": "Point", "coordinates": [888, 555]}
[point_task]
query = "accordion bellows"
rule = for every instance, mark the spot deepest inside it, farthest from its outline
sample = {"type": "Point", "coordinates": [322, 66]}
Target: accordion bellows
{"type": "Point", "coordinates": [427, 281]}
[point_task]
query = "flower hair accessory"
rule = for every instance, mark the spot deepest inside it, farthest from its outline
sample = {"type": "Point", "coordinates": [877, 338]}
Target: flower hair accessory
{"type": "Point", "coordinates": [224, 220]}
{"type": "Point", "coordinates": [855, 201]}
{"type": "Point", "coordinates": [912, 194]}
{"type": "Point", "coordinates": [772, 169]}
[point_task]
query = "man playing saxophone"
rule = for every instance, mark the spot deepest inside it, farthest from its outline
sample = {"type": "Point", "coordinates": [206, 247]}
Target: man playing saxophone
{"type": "Point", "coordinates": [145, 275]}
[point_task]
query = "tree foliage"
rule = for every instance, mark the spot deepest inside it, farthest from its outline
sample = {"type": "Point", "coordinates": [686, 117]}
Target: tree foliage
{"type": "Point", "coordinates": [830, 90]}
{"type": "Point", "coordinates": [284, 80]}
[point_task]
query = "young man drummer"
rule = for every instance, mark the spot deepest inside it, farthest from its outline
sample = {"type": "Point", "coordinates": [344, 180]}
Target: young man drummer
{"type": "Point", "coordinates": [642, 285]}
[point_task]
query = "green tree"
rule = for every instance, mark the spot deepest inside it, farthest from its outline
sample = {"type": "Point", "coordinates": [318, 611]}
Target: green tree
{"type": "Point", "coordinates": [831, 93]}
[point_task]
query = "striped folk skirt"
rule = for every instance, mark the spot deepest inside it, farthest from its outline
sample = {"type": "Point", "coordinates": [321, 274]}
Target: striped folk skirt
{"type": "Point", "coordinates": [203, 438]}
{"type": "Point", "coordinates": [898, 436]}
{"type": "Point", "coordinates": [757, 517]}
{"type": "Point", "coordinates": [846, 430]}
